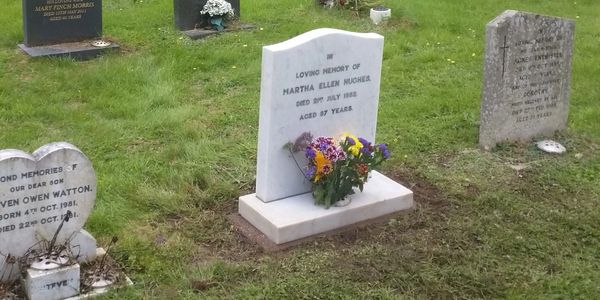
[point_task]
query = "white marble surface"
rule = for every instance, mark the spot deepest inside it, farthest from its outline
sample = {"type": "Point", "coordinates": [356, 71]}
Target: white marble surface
{"type": "Point", "coordinates": [297, 217]}
{"type": "Point", "coordinates": [37, 190]}
{"type": "Point", "coordinates": [53, 284]}
{"type": "Point", "coordinates": [83, 246]}
{"type": "Point", "coordinates": [329, 76]}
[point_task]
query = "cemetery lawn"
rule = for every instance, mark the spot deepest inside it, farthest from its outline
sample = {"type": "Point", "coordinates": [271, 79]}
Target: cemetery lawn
{"type": "Point", "coordinates": [171, 127]}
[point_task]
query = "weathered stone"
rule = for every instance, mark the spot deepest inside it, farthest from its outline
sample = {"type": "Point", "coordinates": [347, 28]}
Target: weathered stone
{"type": "Point", "coordinates": [36, 193]}
{"type": "Point", "coordinates": [52, 284]}
{"type": "Point", "coordinates": [527, 77]}
{"type": "Point", "coordinates": [83, 247]}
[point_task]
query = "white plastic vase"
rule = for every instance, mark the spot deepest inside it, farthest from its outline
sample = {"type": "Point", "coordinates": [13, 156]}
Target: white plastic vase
{"type": "Point", "coordinates": [380, 14]}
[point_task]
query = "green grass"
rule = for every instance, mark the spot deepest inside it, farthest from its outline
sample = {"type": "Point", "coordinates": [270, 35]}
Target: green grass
{"type": "Point", "coordinates": [171, 124]}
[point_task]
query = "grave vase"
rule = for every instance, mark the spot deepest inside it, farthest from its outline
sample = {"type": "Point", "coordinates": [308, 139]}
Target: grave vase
{"type": "Point", "coordinates": [187, 13]}
{"type": "Point", "coordinates": [380, 14]}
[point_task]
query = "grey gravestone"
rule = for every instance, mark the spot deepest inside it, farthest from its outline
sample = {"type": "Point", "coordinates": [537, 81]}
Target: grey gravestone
{"type": "Point", "coordinates": [527, 77]}
{"type": "Point", "coordinates": [58, 27]}
{"type": "Point", "coordinates": [36, 191]}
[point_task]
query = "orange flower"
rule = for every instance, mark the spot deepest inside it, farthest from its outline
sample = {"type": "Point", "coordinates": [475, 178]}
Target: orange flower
{"type": "Point", "coordinates": [323, 165]}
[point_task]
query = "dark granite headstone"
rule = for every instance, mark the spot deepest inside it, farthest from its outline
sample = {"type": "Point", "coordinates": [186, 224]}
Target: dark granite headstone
{"type": "Point", "coordinates": [58, 21]}
{"type": "Point", "coordinates": [62, 28]}
{"type": "Point", "coordinates": [188, 17]}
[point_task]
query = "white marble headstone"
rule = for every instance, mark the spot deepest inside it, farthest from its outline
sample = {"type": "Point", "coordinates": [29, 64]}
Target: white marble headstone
{"type": "Point", "coordinates": [37, 191]}
{"type": "Point", "coordinates": [527, 77]}
{"type": "Point", "coordinates": [325, 82]}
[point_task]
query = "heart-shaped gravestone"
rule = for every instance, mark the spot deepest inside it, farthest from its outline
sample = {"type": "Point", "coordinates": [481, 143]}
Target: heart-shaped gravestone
{"type": "Point", "coordinates": [36, 192]}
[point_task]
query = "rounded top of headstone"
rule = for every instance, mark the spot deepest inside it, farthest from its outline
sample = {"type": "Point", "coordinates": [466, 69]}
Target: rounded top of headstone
{"type": "Point", "coordinates": [319, 33]}
{"type": "Point", "coordinates": [36, 193]}
{"type": "Point", "coordinates": [13, 154]}
{"type": "Point", "coordinates": [512, 14]}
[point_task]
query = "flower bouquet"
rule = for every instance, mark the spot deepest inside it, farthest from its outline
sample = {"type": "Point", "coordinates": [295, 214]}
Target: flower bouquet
{"type": "Point", "coordinates": [355, 5]}
{"type": "Point", "coordinates": [219, 11]}
{"type": "Point", "coordinates": [336, 167]}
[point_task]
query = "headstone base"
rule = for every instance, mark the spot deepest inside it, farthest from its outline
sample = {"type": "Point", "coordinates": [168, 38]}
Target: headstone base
{"type": "Point", "coordinates": [200, 33]}
{"type": "Point", "coordinates": [255, 236]}
{"type": "Point", "coordinates": [298, 217]}
{"type": "Point", "coordinates": [76, 50]}
{"type": "Point", "coordinates": [57, 283]}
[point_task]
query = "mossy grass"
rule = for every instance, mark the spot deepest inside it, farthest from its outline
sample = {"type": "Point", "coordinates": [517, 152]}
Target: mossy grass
{"type": "Point", "coordinates": [171, 127]}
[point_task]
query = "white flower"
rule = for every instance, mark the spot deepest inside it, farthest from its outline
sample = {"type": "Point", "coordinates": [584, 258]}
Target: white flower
{"type": "Point", "coordinates": [217, 8]}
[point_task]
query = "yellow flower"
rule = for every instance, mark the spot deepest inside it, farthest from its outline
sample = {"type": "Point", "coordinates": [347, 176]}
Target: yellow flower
{"type": "Point", "coordinates": [354, 149]}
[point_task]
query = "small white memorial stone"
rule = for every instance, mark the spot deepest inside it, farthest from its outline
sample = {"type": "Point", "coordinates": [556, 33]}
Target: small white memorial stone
{"type": "Point", "coordinates": [58, 283]}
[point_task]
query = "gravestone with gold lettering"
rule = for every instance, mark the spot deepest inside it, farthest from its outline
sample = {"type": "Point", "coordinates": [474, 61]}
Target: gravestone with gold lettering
{"type": "Point", "coordinates": [527, 77]}
{"type": "Point", "coordinates": [325, 82]}
{"type": "Point", "coordinates": [63, 28]}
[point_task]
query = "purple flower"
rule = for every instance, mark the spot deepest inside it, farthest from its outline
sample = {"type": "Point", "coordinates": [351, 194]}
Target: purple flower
{"type": "Point", "coordinates": [327, 146]}
{"type": "Point", "coordinates": [350, 141]}
{"type": "Point", "coordinates": [364, 142]}
{"type": "Point", "coordinates": [384, 151]}
{"type": "Point", "coordinates": [322, 143]}
{"type": "Point", "coordinates": [310, 152]}
{"type": "Point", "coordinates": [311, 171]}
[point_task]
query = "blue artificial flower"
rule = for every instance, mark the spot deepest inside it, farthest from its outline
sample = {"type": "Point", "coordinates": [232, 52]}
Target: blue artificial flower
{"type": "Point", "coordinates": [323, 146]}
{"type": "Point", "coordinates": [384, 151]}
{"type": "Point", "coordinates": [311, 171]}
{"type": "Point", "coordinates": [365, 150]}
{"type": "Point", "coordinates": [310, 152]}
{"type": "Point", "coordinates": [350, 141]}
{"type": "Point", "coordinates": [364, 142]}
